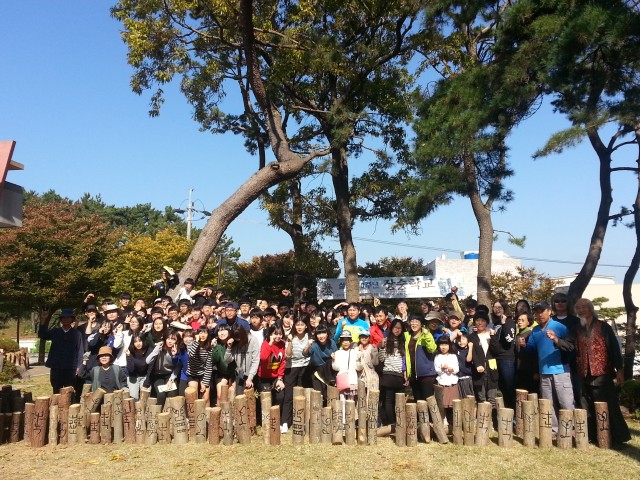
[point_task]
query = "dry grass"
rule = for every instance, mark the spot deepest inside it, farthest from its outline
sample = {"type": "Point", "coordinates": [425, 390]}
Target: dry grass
{"type": "Point", "coordinates": [383, 461]}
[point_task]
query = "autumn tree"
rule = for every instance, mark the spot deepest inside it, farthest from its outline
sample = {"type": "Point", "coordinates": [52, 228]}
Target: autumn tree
{"type": "Point", "coordinates": [315, 79]}
{"type": "Point", "coordinates": [526, 283]}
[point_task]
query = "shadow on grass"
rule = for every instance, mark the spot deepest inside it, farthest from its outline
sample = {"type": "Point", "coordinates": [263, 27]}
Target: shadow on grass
{"type": "Point", "coordinates": [629, 449]}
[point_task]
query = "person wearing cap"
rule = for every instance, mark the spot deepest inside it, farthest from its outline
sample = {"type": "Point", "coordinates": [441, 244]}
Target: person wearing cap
{"type": "Point", "coordinates": [549, 338]}
{"type": "Point", "coordinates": [105, 375]}
{"type": "Point", "coordinates": [345, 363]}
{"type": "Point", "coordinates": [420, 350]}
{"type": "Point", "coordinates": [560, 313]}
{"type": "Point", "coordinates": [367, 361]}
{"type": "Point", "coordinates": [470, 306]}
{"type": "Point", "coordinates": [455, 325]}
{"type": "Point", "coordinates": [600, 363]}
{"type": "Point", "coordinates": [66, 350]}
{"type": "Point", "coordinates": [503, 347]}
{"type": "Point", "coordinates": [435, 324]}
{"type": "Point", "coordinates": [231, 317]}
{"type": "Point", "coordinates": [168, 281]}
{"type": "Point", "coordinates": [484, 372]}
{"type": "Point", "coordinates": [353, 323]}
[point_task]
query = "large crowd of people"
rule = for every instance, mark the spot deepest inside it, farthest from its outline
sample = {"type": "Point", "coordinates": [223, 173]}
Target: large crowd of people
{"type": "Point", "coordinates": [203, 336]}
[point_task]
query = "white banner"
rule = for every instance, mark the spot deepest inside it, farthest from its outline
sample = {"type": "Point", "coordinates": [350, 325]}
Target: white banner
{"type": "Point", "coordinates": [390, 287]}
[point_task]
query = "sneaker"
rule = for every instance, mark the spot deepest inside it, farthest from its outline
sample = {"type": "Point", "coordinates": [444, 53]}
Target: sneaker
{"type": "Point", "coordinates": [284, 428]}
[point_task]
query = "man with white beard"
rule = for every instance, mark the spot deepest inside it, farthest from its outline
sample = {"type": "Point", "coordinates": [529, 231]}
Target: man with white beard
{"type": "Point", "coordinates": [599, 361]}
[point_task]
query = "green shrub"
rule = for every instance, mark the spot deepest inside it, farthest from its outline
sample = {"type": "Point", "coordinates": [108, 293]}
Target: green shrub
{"type": "Point", "coordinates": [36, 347]}
{"type": "Point", "coordinates": [8, 373]}
{"type": "Point", "coordinates": [9, 345]}
{"type": "Point", "coordinates": [630, 395]}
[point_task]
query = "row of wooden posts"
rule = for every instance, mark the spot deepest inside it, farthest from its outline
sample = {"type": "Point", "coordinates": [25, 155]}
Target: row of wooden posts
{"type": "Point", "coordinates": [115, 417]}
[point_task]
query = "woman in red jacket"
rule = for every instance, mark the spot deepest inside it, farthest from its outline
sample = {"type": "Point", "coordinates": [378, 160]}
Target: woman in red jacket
{"type": "Point", "coordinates": [272, 364]}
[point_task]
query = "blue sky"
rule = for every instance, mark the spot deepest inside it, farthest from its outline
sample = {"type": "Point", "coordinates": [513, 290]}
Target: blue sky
{"type": "Point", "coordinates": [65, 99]}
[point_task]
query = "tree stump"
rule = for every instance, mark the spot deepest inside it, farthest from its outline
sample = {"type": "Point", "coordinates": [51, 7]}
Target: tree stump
{"type": "Point", "coordinates": [297, 427]}
{"type": "Point", "coordinates": [528, 432]}
{"type": "Point", "coordinates": [40, 422]}
{"type": "Point", "coordinates": [521, 395]}
{"type": "Point", "coordinates": [603, 431]}
{"type": "Point", "coordinates": [350, 434]}
{"type": "Point", "coordinates": [129, 420]}
{"type": "Point", "coordinates": [326, 431]}
{"type": "Point", "coordinates": [94, 428]}
{"type": "Point", "coordinates": [581, 427]}
{"type": "Point", "coordinates": [106, 434]}
{"type": "Point", "coordinates": [315, 418]}
{"type": "Point", "coordinates": [412, 424]}
{"type": "Point", "coordinates": [545, 421]}
{"type": "Point", "coordinates": [213, 433]}
{"type": "Point", "coordinates": [533, 397]}
{"type": "Point", "coordinates": [73, 424]}
{"type": "Point", "coordinates": [456, 427]}
{"type": "Point", "coordinates": [164, 434]}
{"type": "Point", "coordinates": [505, 427]}
{"type": "Point", "coordinates": [265, 408]}
{"type": "Point", "coordinates": [180, 421]}
{"type": "Point", "coordinates": [151, 421]}
{"type": "Point", "coordinates": [468, 420]}
{"type": "Point", "coordinates": [242, 419]}
{"type": "Point", "coordinates": [483, 424]}
{"type": "Point", "coordinates": [565, 429]}
{"type": "Point", "coordinates": [401, 420]}
{"type": "Point", "coordinates": [337, 423]}
{"type": "Point", "coordinates": [274, 425]}
{"type": "Point", "coordinates": [226, 420]}
{"type": "Point", "coordinates": [201, 421]}
{"type": "Point", "coordinates": [424, 427]}
{"type": "Point", "coordinates": [436, 420]}
{"type": "Point", "coordinates": [372, 417]}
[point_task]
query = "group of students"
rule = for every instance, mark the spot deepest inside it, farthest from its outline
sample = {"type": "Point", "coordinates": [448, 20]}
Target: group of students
{"type": "Point", "coordinates": [219, 342]}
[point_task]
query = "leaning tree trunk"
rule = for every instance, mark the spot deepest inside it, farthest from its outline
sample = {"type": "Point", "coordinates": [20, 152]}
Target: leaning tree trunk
{"type": "Point", "coordinates": [340, 177]}
{"type": "Point", "coordinates": [579, 284]}
{"type": "Point", "coordinates": [630, 275]}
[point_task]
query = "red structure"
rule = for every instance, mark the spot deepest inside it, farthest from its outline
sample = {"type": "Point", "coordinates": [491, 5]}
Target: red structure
{"type": "Point", "coordinates": [11, 195]}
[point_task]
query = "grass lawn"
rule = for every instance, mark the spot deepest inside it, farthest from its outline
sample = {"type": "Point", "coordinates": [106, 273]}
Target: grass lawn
{"type": "Point", "coordinates": [256, 461]}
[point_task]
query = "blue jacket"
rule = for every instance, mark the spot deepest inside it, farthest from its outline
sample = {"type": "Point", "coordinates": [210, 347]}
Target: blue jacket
{"type": "Point", "coordinates": [66, 348]}
{"type": "Point", "coordinates": [424, 354]}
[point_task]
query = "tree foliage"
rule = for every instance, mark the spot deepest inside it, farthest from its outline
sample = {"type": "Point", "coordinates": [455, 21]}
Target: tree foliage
{"type": "Point", "coordinates": [527, 283]}
{"type": "Point", "coordinates": [395, 267]}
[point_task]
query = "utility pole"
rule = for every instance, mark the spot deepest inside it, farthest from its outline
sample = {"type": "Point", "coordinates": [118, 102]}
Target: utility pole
{"type": "Point", "coordinates": [189, 210]}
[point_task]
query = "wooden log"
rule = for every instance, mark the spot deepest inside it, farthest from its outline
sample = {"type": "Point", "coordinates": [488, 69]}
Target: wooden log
{"type": "Point", "coordinates": [126, 393]}
{"type": "Point", "coordinates": [144, 397]}
{"type": "Point", "coordinates": [27, 397]}
{"type": "Point", "coordinates": [332, 394]}
{"type": "Point", "coordinates": [18, 403]}
{"type": "Point", "coordinates": [6, 433]}
{"type": "Point", "coordinates": [16, 427]}
{"type": "Point", "coordinates": [521, 395]}
{"type": "Point", "coordinates": [232, 395]}
{"type": "Point", "coordinates": [28, 422]}
{"type": "Point", "coordinates": [129, 420]}
{"type": "Point", "coordinates": [499, 403]}
{"type": "Point", "coordinates": [386, 430]}
{"type": "Point", "coordinates": [297, 427]}
{"type": "Point", "coordinates": [40, 422]}
{"type": "Point", "coordinates": [190, 396]}
{"type": "Point", "coordinates": [565, 429]}
{"type": "Point", "coordinates": [164, 436]}
{"type": "Point", "coordinates": [93, 402]}
{"type": "Point", "coordinates": [581, 427]}
{"type": "Point", "coordinates": [274, 425]}
{"type": "Point", "coordinates": [483, 424]}
{"type": "Point", "coordinates": [224, 394]}
{"type": "Point", "coordinates": [468, 421]}
{"type": "Point", "coordinates": [108, 399]}
{"type": "Point", "coordinates": [94, 428]}
{"type": "Point", "coordinates": [243, 431]}
{"type": "Point", "coordinates": [201, 421]}
{"type": "Point", "coordinates": [505, 427]}
{"type": "Point", "coordinates": [325, 436]}
{"type": "Point", "coordinates": [412, 424]}
{"type": "Point", "coordinates": [315, 418]}
{"type": "Point", "coordinates": [372, 417]}
{"type": "Point", "coordinates": [265, 408]}
{"type": "Point", "coordinates": [528, 432]}
{"type": "Point", "coordinates": [436, 420]}
{"type": "Point", "coordinates": [213, 429]}
{"type": "Point", "coordinates": [350, 434]}
{"type": "Point", "coordinates": [545, 421]}
{"type": "Point", "coordinates": [151, 421]}
{"type": "Point", "coordinates": [603, 431]}
{"type": "Point", "coordinates": [362, 412]}
{"type": "Point", "coordinates": [533, 397]}
{"type": "Point", "coordinates": [456, 427]}
{"type": "Point", "coordinates": [438, 392]}
{"type": "Point", "coordinates": [73, 424]}
{"type": "Point", "coordinates": [250, 393]}
{"type": "Point", "coordinates": [83, 419]}
{"type": "Point", "coordinates": [401, 420]}
{"type": "Point", "coordinates": [226, 419]}
{"type": "Point", "coordinates": [118, 426]}
{"type": "Point", "coordinates": [180, 421]}
{"type": "Point", "coordinates": [424, 428]}
{"type": "Point", "coordinates": [337, 422]}
{"type": "Point", "coordinates": [140, 423]}
{"type": "Point", "coordinates": [307, 409]}
{"type": "Point", "coordinates": [64, 401]}
{"type": "Point", "coordinates": [298, 392]}
{"type": "Point", "coordinates": [106, 433]}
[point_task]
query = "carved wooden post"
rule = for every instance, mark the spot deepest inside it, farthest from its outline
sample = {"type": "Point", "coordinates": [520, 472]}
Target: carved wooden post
{"type": "Point", "coordinates": [528, 433]}
{"type": "Point", "coordinates": [28, 421]}
{"type": "Point", "coordinates": [250, 393]}
{"type": "Point", "coordinates": [372, 417]}
{"type": "Point", "coordinates": [401, 420]}
{"type": "Point", "coordinates": [39, 422]}
{"type": "Point", "coordinates": [315, 417]}
{"type": "Point", "coordinates": [73, 424]}
{"type": "Point", "coordinates": [325, 436]}
{"type": "Point", "coordinates": [201, 421]}
{"type": "Point", "coordinates": [64, 401]}
{"type": "Point", "coordinates": [412, 424]}
{"type": "Point", "coordinates": [94, 428]}
{"type": "Point", "coordinates": [140, 423]}
{"type": "Point", "coordinates": [350, 423]}
{"type": "Point", "coordinates": [214, 425]}
{"type": "Point", "coordinates": [521, 395]}
{"type": "Point", "coordinates": [536, 415]}
{"type": "Point", "coordinates": [436, 420]}
{"type": "Point", "coordinates": [93, 401]}
{"type": "Point", "coordinates": [602, 424]}
{"type": "Point", "coordinates": [105, 423]}
{"type": "Point", "coordinates": [297, 426]}
{"type": "Point", "coordinates": [545, 422]}
{"type": "Point", "coordinates": [505, 427]}
{"type": "Point", "coordinates": [424, 428]}
{"type": "Point", "coordinates": [274, 425]}
{"type": "Point", "coordinates": [164, 434]}
{"type": "Point", "coordinates": [468, 420]}
{"type": "Point", "coordinates": [224, 394]}
{"type": "Point", "coordinates": [227, 423]}
{"type": "Point", "coordinates": [242, 420]}
{"type": "Point", "coordinates": [16, 427]}
{"type": "Point", "coordinates": [581, 428]}
{"type": "Point", "coordinates": [151, 434]}
{"type": "Point", "coordinates": [307, 409]}
{"type": "Point", "coordinates": [53, 425]}
{"type": "Point", "coordinates": [565, 429]}
{"type": "Point", "coordinates": [190, 396]}
{"type": "Point", "coordinates": [362, 413]}
{"type": "Point", "coordinates": [336, 422]}
{"type": "Point", "coordinates": [332, 394]}
{"type": "Point", "coordinates": [265, 407]}
{"type": "Point", "coordinates": [484, 424]}
{"type": "Point", "coordinates": [438, 392]}
{"type": "Point", "coordinates": [129, 420]}
{"type": "Point", "coordinates": [118, 427]}
{"type": "Point", "coordinates": [456, 427]}
{"type": "Point", "coordinates": [180, 421]}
